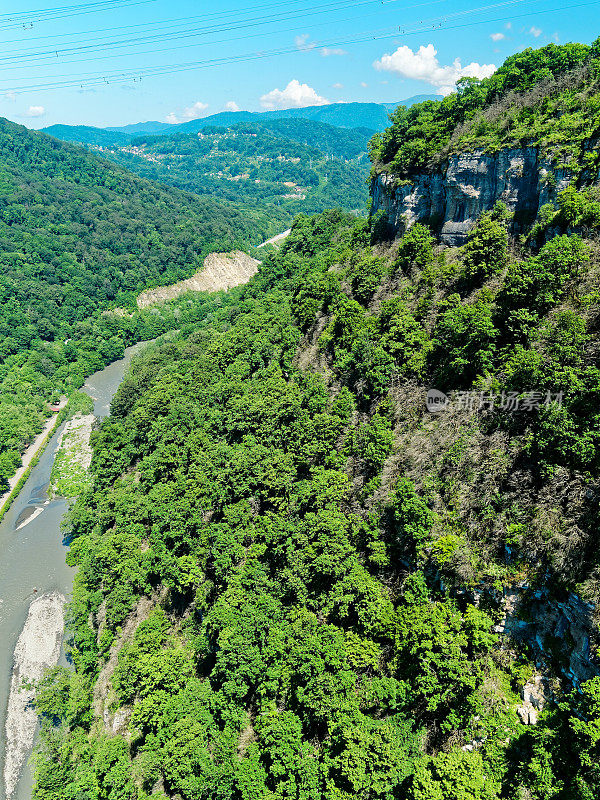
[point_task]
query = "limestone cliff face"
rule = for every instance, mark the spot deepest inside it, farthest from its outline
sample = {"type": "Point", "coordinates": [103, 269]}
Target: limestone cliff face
{"type": "Point", "coordinates": [451, 198]}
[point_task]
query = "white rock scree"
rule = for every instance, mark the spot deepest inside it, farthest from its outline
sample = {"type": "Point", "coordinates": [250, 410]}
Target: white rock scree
{"type": "Point", "coordinates": [37, 649]}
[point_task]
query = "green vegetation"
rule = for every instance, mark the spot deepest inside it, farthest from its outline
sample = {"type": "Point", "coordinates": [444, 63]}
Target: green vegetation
{"type": "Point", "coordinates": [324, 559]}
{"type": "Point", "coordinates": [548, 98]}
{"type": "Point", "coordinates": [288, 165]}
{"type": "Point", "coordinates": [292, 576]}
{"type": "Point", "coordinates": [70, 470]}
{"type": "Point", "coordinates": [78, 235]}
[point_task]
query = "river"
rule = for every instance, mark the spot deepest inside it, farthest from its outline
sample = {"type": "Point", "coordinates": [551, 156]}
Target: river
{"type": "Point", "coordinates": [32, 555]}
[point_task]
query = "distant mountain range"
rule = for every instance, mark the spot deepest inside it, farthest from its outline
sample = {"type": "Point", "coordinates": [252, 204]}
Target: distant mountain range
{"type": "Point", "coordinates": [373, 116]}
{"type": "Point", "coordinates": [288, 165]}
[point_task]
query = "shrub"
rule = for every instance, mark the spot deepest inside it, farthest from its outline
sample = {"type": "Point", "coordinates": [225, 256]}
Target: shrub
{"type": "Point", "coordinates": [465, 340]}
{"type": "Point", "coordinates": [485, 252]}
{"type": "Point", "coordinates": [416, 248]}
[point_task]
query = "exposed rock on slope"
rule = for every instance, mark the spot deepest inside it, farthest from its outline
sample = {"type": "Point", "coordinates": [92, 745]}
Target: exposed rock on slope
{"type": "Point", "coordinates": [451, 199]}
{"type": "Point", "coordinates": [535, 695]}
{"type": "Point", "coordinates": [221, 271]}
{"type": "Point", "coordinates": [104, 695]}
{"type": "Point", "coordinates": [560, 630]}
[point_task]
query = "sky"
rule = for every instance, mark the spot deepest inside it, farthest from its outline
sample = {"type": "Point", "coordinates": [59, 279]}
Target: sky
{"type": "Point", "coordinates": [115, 62]}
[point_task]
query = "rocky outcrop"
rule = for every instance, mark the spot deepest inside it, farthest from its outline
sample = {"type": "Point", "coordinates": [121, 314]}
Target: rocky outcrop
{"type": "Point", "coordinates": [112, 719]}
{"type": "Point", "coordinates": [451, 198]}
{"type": "Point", "coordinates": [535, 695]}
{"type": "Point", "coordinates": [559, 632]}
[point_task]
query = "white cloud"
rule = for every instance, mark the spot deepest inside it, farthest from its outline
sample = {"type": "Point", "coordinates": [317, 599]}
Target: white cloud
{"type": "Point", "coordinates": [338, 85]}
{"type": "Point", "coordinates": [497, 37]}
{"type": "Point", "coordinates": [535, 31]}
{"type": "Point", "coordinates": [508, 26]}
{"type": "Point", "coordinates": [10, 95]}
{"type": "Point", "coordinates": [231, 105]}
{"type": "Point", "coordinates": [196, 111]}
{"type": "Point", "coordinates": [191, 112]}
{"type": "Point", "coordinates": [364, 85]}
{"type": "Point", "coordinates": [302, 42]}
{"type": "Point", "coordinates": [295, 95]}
{"type": "Point", "coordinates": [424, 66]}
{"type": "Point", "coordinates": [35, 111]}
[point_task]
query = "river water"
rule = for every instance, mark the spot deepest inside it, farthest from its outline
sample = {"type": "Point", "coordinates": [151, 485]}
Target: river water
{"type": "Point", "coordinates": [32, 555]}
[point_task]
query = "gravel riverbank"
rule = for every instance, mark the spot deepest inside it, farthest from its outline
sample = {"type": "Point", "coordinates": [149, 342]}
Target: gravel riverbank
{"type": "Point", "coordinates": [37, 649]}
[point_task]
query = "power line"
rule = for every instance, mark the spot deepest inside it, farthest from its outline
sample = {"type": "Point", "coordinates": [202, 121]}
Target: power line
{"type": "Point", "coordinates": [96, 79]}
{"type": "Point", "coordinates": [204, 31]}
{"type": "Point", "coordinates": [442, 26]}
{"type": "Point", "coordinates": [170, 69]}
{"type": "Point", "coordinates": [14, 15]}
{"type": "Point", "coordinates": [100, 78]}
{"type": "Point", "coordinates": [169, 22]}
{"type": "Point", "coordinates": [464, 12]}
{"type": "Point", "coordinates": [183, 22]}
{"type": "Point", "coordinates": [195, 34]}
{"type": "Point", "coordinates": [30, 18]}
{"type": "Point", "coordinates": [104, 75]}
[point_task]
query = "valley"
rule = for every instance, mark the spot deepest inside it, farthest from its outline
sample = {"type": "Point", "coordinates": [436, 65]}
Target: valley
{"type": "Point", "coordinates": [79, 236]}
{"type": "Point", "coordinates": [34, 581]}
{"type": "Point", "coordinates": [372, 116]}
{"type": "Point", "coordinates": [293, 166]}
{"type": "Point", "coordinates": [335, 535]}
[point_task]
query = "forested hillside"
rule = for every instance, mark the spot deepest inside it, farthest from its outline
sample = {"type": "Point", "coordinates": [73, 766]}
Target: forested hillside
{"type": "Point", "coordinates": [85, 134]}
{"type": "Point", "coordinates": [78, 235]}
{"type": "Point", "coordinates": [291, 574]}
{"type": "Point", "coordinates": [291, 165]}
{"type": "Point", "coordinates": [340, 537]}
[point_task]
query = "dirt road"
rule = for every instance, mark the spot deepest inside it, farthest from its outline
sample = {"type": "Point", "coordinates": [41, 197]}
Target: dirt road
{"type": "Point", "coordinates": [30, 454]}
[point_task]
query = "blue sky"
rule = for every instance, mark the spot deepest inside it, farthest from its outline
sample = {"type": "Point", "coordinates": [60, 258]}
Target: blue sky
{"type": "Point", "coordinates": [113, 62]}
